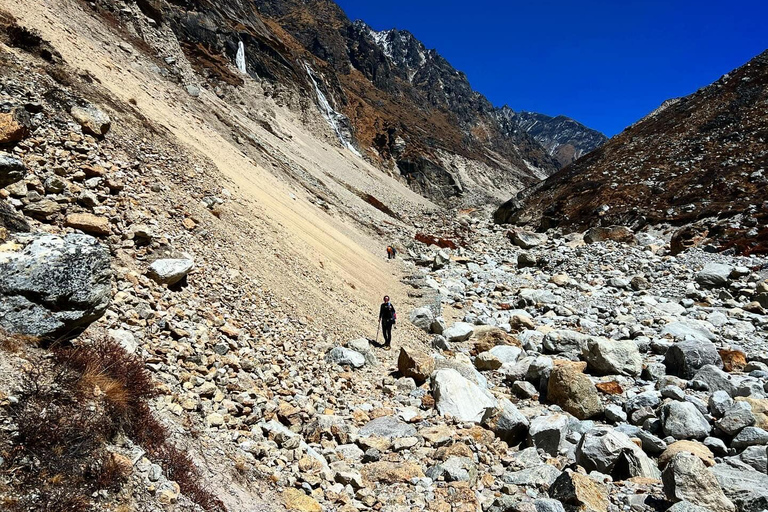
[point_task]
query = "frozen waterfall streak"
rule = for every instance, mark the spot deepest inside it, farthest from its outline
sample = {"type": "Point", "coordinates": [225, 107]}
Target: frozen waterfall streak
{"type": "Point", "coordinates": [329, 113]}
{"type": "Point", "coordinates": [240, 58]}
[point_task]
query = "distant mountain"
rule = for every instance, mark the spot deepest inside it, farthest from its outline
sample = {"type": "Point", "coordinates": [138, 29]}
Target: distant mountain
{"type": "Point", "coordinates": [699, 158]}
{"type": "Point", "coordinates": [563, 138]}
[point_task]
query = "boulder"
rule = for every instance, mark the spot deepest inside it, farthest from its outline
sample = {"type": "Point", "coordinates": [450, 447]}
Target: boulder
{"type": "Point", "coordinates": [612, 452]}
{"type": "Point", "coordinates": [14, 126]}
{"type": "Point", "coordinates": [422, 318]}
{"type": "Point", "coordinates": [493, 359]}
{"type": "Point", "coordinates": [540, 477]}
{"type": "Point", "coordinates": [682, 420]}
{"type": "Point", "coordinates": [170, 271]}
{"type": "Point", "coordinates": [92, 119]}
{"type": "Point", "coordinates": [460, 331]}
{"type": "Point", "coordinates": [686, 357]}
{"type": "Point", "coordinates": [417, 365]}
{"type": "Point", "coordinates": [580, 492]}
{"type": "Point", "coordinates": [745, 487]}
{"type": "Point", "coordinates": [563, 340]}
{"type": "Point", "coordinates": [345, 357]}
{"type": "Point", "coordinates": [548, 433]}
{"type": "Point", "coordinates": [738, 416]}
{"type": "Point", "coordinates": [686, 478]}
{"type": "Point", "coordinates": [89, 223]}
{"type": "Point", "coordinates": [387, 426]}
{"type": "Point", "coordinates": [619, 234]}
{"type": "Point", "coordinates": [458, 397]}
{"type": "Point", "coordinates": [508, 423]}
{"type": "Point", "coordinates": [527, 239]}
{"type": "Point", "coordinates": [714, 275]}
{"type": "Point", "coordinates": [391, 472]}
{"type": "Point", "coordinates": [689, 236]}
{"type": "Point", "coordinates": [11, 169]}
{"type": "Point", "coordinates": [613, 357]}
{"type": "Point", "coordinates": [692, 447]}
{"type": "Point", "coordinates": [690, 329]}
{"type": "Point", "coordinates": [53, 286]}
{"type": "Point", "coordinates": [715, 379]}
{"type": "Point", "coordinates": [362, 346]}
{"type": "Point", "coordinates": [569, 388]}
{"type": "Point", "coordinates": [750, 436]}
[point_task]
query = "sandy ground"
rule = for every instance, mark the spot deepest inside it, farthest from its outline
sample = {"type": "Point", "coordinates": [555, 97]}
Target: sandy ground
{"type": "Point", "coordinates": [324, 265]}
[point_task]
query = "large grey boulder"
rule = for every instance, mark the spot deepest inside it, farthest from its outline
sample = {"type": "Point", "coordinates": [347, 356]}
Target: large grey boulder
{"type": "Point", "coordinates": [686, 357]}
{"type": "Point", "coordinates": [738, 416]}
{"type": "Point", "coordinates": [387, 426]}
{"type": "Point", "coordinates": [548, 433]}
{"type": "Point", "coordinates": [682, 420]}
{"type": "Point", "coordinates": [508, 423]}
{"type": "Point", "coordinates": [170, 271]}
{"type": "Point", "coordinates": [541, 476]}
{"type": "Point", "coordinates": [687, 478]}
{"type": "Point", "coordinates": [11, 169]}
{"type": "Point", "coordinates": [52, 286]}
{"type": "Point", "coordinates": [750, 436]}
{"type": "Point", "coordinates": [458, 397]}
{"type": "Point", "coordinates": [564, 340]}
{"type": "Point", "coordinates": [345, 357]}
{"type": "Point", "coordinates": [690, 329]}
{"type": "Point", "coordinates": [460, 331]}
{"type": "Point", "coordinates": [716, 379]}
{"type": "Point", "coordinates": [422, 318]}
{"type": "Point", "coordinates": [613, 357]}
{"type": "Point", "coordinates": [744, 486]}
{"type": "Point", "coordinates": [612, 452]}
{"type": "Point", "coordinates": [92, 119]}
{"type": "Point", "coordinates": [527, 239]}
{"type": "Point", "coordinates": [714, 275]}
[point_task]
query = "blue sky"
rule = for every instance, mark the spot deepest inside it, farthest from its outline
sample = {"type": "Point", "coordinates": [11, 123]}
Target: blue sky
{"type": "Point", "coordinates": [604, 63]}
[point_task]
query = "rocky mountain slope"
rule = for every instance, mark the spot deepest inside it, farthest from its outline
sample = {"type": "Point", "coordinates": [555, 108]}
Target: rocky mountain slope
{"type": "Point", "coordinates": [565, 139]}
{"type": "Point", "coordinates": [189, 282]}
{"type": "Point", "coordinates": [383, 93]}
{"type": "Point", "coordinates": [700, 158]}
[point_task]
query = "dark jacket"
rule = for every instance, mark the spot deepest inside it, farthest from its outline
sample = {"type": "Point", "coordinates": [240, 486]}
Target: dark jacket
{"type": "Point", "coordinates": [387, 312]}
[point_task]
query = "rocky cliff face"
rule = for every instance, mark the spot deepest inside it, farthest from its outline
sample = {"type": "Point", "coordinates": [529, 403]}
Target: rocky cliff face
{"type": "Point", "coordinates": [384, 94]}
{"type": "Point", "coordinates": [699, 158]}
{"type": "Point", "coordinates": [563, 138]}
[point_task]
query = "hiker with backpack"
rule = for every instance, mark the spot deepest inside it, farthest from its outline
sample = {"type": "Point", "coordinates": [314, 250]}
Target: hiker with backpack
{"type": "Point", "coordinates": [387, 319]}
{"type": "Point", "coordinates": [391, 252]}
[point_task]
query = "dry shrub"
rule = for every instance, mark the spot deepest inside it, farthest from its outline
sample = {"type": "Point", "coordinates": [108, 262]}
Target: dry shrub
{"type": "Point", "coordinates": [13, 343]}
{"type": "Point", "coordinates": [69, 408]}
{"type": "Point", "coordinates": [180, 468]}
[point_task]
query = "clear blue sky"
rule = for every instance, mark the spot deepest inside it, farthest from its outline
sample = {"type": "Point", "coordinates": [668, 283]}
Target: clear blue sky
{"type": "Point", "coordinates": [606, 63]}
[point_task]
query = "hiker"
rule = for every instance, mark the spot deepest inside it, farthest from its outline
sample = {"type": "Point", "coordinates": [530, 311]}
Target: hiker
{"type": "Point", "coordinates": [390, 252]}
{"type": "Point", "coordinates": [387, 318]}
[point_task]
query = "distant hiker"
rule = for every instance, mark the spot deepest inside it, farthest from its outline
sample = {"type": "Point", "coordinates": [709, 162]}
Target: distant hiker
{"type": "Point", "coordinates": [391, 252]}
{"type": "Point", "coordinates": [387, 318]}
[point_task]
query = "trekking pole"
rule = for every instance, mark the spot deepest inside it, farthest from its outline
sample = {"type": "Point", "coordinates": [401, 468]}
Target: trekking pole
{"type": "Point", "coordinates": [378, 325]}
